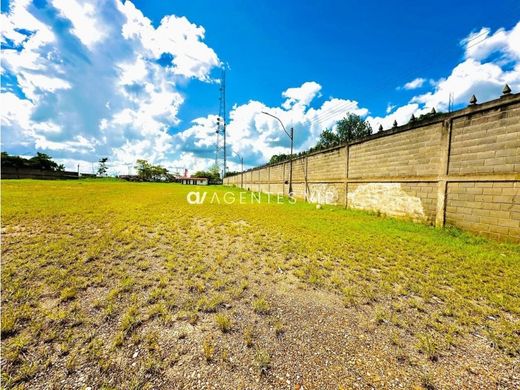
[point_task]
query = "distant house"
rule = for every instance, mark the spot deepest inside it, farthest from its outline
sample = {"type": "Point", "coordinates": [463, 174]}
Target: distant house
{"type": "Point", "coordinates": [199, 181]}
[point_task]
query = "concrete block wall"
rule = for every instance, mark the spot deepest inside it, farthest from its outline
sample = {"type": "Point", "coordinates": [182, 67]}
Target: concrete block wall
{"type": "Point", "coordinates": [412, 153]}
{"type": "Point", "coordinates": [486, 142]}
{"type": "Point", "coordinates": [413, 200]}
{"type": "Point", "coordinates": [461, 169]}
{"type": "Point", "coordinates": [329, 165]}
{"type": "Point", "coordinates": [489, 208]}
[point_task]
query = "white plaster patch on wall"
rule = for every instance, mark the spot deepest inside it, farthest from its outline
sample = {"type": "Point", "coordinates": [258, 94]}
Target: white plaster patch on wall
{"type": "Point", "coordinates": [387, 198]}
{"type": "Point", "coordinates": [323, 194]}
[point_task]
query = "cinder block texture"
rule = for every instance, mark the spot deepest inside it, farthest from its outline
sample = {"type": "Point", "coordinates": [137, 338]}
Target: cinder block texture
{"type": "Point", "coordinates": [402, 172]}
{"type": "Point", "coordinates": [406, 154]}
{"type": "Point", "coordinates": [486, 143]}
{"type": "Point", "coordinates": [489, 208]}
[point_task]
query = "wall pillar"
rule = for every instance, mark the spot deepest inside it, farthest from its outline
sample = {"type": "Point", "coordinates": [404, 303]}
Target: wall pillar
{"type": "Point", "coordinates": [269, 179]}
{"type": "Point", "coordinates": [283, 179]}
{"type": "Point", "coordinates": [345, 202]}
{"type": "Point", "coordinates": [442, 184]}
{"type": "Point", "coordinates": [305, 178]}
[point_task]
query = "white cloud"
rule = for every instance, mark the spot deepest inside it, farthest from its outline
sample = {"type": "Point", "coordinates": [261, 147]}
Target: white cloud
{"type": "Point", "coordinates": [480, 45]}
{"type": "Point", "coordinates": [415, 83]}
{"type": "Point", "coordinates": [485, 80]}
{"type": "Point", "coordinates": [176, 36]}
{"type": "Point", "coordinates": [20, 18]}
{"type": "Point", "coordinates": [33, 84]}
{"type": "Point", "coordinates": [302, 95]}
{"type": "Point", "coordinates": [78, 144]}
{"type": "Point", "coordinates": [18, 128]}
{"type": "Point", "coordinates": [15, 110]}
{"type": "Point", "coordinates": [402, 115]}
{"type": "Point", "coordinates": [107, 96]}
{"type": "Point", "coordinates": [257, 137]}
{"type": "Point", "coordinates": [491, 61]}
{"type": "Point", "coordinates": [107, 85]}
{"type": "Point", "coordinates": [477, 76]}
{"type": "Point", "coordinates": [83, 16]}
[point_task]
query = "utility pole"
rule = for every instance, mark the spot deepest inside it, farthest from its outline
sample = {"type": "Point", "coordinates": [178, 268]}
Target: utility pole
{"type": "Point", "coordinates": [242, 172]}
{"type": "Point", "coordinates": [291, 137]}
{"type": "Point", "coordinates": [129, 167]}
{"type": "Point", "coordinates": [242, 169]}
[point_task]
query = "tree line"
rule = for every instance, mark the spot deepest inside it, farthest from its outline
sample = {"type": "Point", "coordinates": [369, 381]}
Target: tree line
{"type": "Point", "coordinates": [145, 170]}
{"type": "Point", "coordinates": [41, 161]}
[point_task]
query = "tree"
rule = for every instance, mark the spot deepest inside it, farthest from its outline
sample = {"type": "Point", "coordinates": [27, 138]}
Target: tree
{"type": "Point", "coordinates": [144, 169]}
{"type": "Point", "coordinates": [328, 138]}
{"type": "Point", "coordinates": [44, 161]}
{"type": "Point", "coordinates": [232, 173]}
{"type": "Point", "coordinates": [277, 158]}
{"type": "Point", "coordinates": [212, 173]}
{"type": "Point", "coordinates": [149, 172]}
{"type": "Point", "coordinates": [348, 129]}
{"type": "Point", "coordinates": [14, 161]}
{"type": "Point", "coordinates": [352, 128]}
{"type": "Point", "coordinates": [158, 172]}
{"type": "Point", "coordinates": [102, 168]}
{"type": "Point", "coordinates": [40, 161]}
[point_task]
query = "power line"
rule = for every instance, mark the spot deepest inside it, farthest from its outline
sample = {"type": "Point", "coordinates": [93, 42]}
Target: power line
{"type": "Point", "coordinates": [331, 115]}
{"type": "Point", "coordinates": [322, 117]}
{"type": "Point", "coordinates": [338, 107]}
{"type": "Point", "coordinates": [485, 32]}
{"type": "Point", "coordinates": [344, 106]}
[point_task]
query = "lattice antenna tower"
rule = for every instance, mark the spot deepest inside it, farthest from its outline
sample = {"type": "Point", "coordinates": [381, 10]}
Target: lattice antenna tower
{"type": "Point", "coordinates": [221, 125]}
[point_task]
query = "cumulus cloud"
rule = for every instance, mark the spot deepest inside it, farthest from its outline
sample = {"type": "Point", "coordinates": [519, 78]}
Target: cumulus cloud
{"type": "Point", "coordinates": [256, 136]}
{"type": "Point", "coordinates": [481, 44]}
{"type": "Point", "coordinates": [491, 60]}
{"type": "Point", "coordinates": [95, 78]}
{"type": "Point", "coordinates": [175, 37]}
{"type": "Point", "coordinates": [401, 115]}
{"type": "Point", "coordinates": [414, 84]}
{"type": "Point", "coordinates": [83, 17]}
{"type": "Point", "coordinates": [470, 77]}
{"type": "Point", "coordinates": [301, 95]}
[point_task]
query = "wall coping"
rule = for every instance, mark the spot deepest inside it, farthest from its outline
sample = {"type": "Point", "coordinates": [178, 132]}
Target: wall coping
{"type": "Point", "coordinates": [502, 101]}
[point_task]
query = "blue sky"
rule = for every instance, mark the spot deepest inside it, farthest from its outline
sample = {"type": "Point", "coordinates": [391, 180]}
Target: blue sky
{"type": "Point", "coordinates": [87, 79]}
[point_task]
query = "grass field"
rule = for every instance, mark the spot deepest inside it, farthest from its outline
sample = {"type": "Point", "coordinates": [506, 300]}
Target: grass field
{"type": "Point", "coordinates": [109, 284]}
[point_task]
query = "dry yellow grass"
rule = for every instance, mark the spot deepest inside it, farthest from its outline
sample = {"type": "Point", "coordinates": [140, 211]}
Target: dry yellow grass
{"type": "Point", "coordinates": [125, 285]}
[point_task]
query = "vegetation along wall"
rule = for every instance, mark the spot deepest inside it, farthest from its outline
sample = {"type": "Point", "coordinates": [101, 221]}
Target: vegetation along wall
{"type": "Point", "coordinates": [460, 168]}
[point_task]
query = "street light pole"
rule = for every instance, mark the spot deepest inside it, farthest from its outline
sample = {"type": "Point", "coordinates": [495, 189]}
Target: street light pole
{"type": "Point", "coordinates": [291, 137]}
{"type": "Point", "coordinates": [242, 172]}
